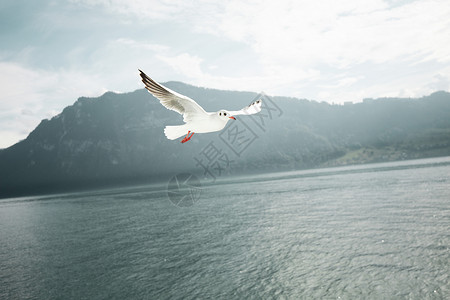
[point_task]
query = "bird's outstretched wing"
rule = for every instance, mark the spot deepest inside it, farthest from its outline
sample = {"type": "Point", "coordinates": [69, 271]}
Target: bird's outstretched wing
{"type": "Point", "coordinates": [251, 109]}
{"type": "Point", "coordinates": [172, 100]}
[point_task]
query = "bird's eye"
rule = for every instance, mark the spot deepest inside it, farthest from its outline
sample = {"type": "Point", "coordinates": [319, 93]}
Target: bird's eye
{"type": "Point", "coordinates": [224, 114]}
{"type": "Point", "coordinates": [220, 114]}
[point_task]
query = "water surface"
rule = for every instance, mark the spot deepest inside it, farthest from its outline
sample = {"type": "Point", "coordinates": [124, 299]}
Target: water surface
{"type": "Point", "coordinates": [379, 231]}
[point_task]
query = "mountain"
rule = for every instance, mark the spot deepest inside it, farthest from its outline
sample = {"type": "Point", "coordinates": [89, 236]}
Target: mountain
{"type": "Point", "coordinates": [119, 139]}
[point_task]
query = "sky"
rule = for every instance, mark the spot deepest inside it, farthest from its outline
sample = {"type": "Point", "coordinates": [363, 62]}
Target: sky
{"type": "Point", "coordinates": [54, 51]}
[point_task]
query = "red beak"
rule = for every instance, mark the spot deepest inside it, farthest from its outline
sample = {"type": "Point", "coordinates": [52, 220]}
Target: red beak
{"type": "Point", "coordinates": [233, 118]}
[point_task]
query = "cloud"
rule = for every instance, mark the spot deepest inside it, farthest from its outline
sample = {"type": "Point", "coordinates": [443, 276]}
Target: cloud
{"type": "Point", "coordinates": [142, 45]}
{"type": "Point", "coordinates": [439, 83]}
{"type": "Point", "coordinates": [340, 33]}
{"type": "Point", "coordinates": [185, 64]}
{"type": "Point", "coordinates": [158, 10]}
{"type": "Point", "coordinates": [305, 33]}
{"type": "Point", "coordinates": [304, 43]}
{"type": "Point", "coordinates": [29, 95]}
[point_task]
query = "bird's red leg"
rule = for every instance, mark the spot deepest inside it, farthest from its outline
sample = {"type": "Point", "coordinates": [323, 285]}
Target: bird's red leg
{"type": "Point", "coordinates": [186, 138]}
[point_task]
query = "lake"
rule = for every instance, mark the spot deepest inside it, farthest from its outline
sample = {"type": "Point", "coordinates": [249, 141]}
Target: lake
{"type": "Point", "coordinates": [378, 231]}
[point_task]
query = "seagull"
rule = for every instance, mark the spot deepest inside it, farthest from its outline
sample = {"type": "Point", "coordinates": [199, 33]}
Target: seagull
{"type": "Point", "coordinates": [196, 119]}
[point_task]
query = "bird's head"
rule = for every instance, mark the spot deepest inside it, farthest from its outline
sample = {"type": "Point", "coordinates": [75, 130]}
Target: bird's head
{"type": "Point", "coordinates": [225, 115]}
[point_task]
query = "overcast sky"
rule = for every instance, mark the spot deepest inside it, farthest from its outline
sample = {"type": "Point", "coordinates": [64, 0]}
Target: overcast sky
{"type": "Point", "coordinates": [52, 52]}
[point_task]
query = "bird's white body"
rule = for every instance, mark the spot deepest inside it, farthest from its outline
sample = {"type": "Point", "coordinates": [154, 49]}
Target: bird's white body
{"type": "Point", "coordinates": [209, 123]}
{"type": "Point", "coordinates": [203, 124]}
{"type": "Point", "coordinates": [196, 119]}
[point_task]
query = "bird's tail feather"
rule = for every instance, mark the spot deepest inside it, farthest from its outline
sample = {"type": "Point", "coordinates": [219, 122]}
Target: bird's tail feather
{"type": "Point", "coordinates": [174, 132]}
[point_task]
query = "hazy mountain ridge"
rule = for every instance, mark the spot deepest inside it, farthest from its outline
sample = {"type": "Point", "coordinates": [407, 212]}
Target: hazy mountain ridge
{"type": "Point", "coordinates": [119, 137]}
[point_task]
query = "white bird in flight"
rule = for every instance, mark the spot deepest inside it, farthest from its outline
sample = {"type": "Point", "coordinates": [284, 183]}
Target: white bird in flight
{"type": "Point", "coordinates": [195, 117]}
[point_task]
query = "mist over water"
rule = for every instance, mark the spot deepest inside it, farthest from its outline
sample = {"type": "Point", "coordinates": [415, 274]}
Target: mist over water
{"type": "Point", "coordinates": [371, 231]}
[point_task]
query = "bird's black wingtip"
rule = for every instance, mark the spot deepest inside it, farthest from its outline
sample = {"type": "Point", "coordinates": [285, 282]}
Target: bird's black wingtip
{"type": "Point", "coordinates": [142, 74]}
